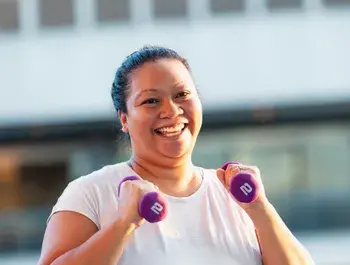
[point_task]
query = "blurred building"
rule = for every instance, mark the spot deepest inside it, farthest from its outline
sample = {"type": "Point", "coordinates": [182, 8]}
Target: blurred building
{"type": "Point", "coordinates": [273, 75]}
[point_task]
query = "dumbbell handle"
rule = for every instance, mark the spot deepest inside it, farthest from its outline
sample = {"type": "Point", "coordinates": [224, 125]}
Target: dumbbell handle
{"type": "Point", "coordinates": [244, 187]}
{"type": "Point", "coordinates": [152, 207]}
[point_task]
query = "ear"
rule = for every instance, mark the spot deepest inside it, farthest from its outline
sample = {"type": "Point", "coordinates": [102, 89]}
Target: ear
{"type": "Point", "coordinates": [123, 120]}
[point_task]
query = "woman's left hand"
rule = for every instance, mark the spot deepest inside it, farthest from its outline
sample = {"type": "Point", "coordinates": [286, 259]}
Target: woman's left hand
{"type": "Point", "coordinates": [225, 176]}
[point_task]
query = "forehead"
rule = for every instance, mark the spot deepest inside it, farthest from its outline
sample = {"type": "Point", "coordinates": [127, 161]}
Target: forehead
{"type": "Point", "coordinates": [160, 74]}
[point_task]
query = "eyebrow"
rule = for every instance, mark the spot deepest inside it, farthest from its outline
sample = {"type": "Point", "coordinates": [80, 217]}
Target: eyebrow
{"type": "Point", "coordinates": [177, 85]}
{"type": "Point", "coordinates": [146, 91]}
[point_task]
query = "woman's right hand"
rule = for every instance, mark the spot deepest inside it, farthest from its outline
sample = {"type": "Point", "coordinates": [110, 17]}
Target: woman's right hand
{"type": "Point", "coordinates": [59, 247]}
{"type": "Point", "coordinates": [131, 192]}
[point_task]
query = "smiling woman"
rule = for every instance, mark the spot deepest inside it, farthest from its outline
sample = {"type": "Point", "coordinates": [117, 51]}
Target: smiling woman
{"type": "Point", "coordinates": [163, 106]}
{"type": "Point", "coordinates": [158, 105]}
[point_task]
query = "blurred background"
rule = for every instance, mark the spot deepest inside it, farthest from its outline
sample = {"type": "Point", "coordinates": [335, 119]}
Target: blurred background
{"type": "Point", "coordinates": [274, 76]}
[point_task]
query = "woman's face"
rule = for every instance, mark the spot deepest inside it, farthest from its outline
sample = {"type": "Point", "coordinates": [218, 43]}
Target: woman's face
{"type": "Point", "coordinates": [164, 112]}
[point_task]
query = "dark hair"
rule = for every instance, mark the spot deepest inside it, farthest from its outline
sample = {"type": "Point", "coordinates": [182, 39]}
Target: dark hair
{"type": "Point", "coordinates": [135, 60]}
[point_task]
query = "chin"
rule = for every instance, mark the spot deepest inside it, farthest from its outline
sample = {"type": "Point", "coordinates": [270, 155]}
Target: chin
{"type": "Point", "coordinates": [176, 156]}
{"type": "Point", "coordinates": [174, 152]}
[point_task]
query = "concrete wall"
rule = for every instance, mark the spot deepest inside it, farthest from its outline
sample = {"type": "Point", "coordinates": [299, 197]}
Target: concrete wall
{"type": "Point", "coordinates": [238, 61]}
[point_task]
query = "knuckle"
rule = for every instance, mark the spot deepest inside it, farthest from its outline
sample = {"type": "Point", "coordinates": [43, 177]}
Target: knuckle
{"type": "Point", "coordinates": [233, 166]}
{"type": "Point", "coordinates": [127, 184]}
{"type": "Point", "coordinates": [256, 169]}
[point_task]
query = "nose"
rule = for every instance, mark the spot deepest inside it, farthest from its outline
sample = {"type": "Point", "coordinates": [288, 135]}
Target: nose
{"type": "Point", "coordinates": [169, 109]}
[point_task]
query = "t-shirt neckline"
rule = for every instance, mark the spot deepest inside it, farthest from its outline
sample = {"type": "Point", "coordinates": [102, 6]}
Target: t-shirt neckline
{"type": "Point", "coordinates": [195, 195]}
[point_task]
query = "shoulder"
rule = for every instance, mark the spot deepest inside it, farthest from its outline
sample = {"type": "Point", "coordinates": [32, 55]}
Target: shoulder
{"type": "Point", "coordinates": [96, 186]}
{"type": "Point", "coordinates": [89, 193]}
{"type": "Point", "coordinates": [107, 175]}
{"type": "Point", "coordinates": [99, 185]}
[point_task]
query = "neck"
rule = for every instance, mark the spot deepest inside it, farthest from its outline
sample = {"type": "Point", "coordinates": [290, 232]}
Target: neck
{"type": "Point", "coordinates": [182, 180]}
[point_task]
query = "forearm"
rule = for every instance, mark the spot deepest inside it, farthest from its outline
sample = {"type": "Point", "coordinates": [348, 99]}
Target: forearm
{"type": "Point", "coordinates": [103, 248]}
{"type": "Point", "coordinates": [277, 243]}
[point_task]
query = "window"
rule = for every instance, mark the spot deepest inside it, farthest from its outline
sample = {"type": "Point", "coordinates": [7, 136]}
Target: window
{"type": "Point", "coordinates": [56, 13]}
{"type": "Point", "coordinates": [113, 10]}
{"type": "Point", "coordinates": [9, 19]}
{"type": "Point", "coordinates": [298, 171]}
{"type": "Point", "coordinates": [224, 6]}
{"type": "Point", "coordinates": [170, 8]}
{"type": "Point", "coordinates": [284, 4]}
{"type": "Point", "coordinates": [336, 2]}
{"type": "Point", "coordinates": [36, 187]}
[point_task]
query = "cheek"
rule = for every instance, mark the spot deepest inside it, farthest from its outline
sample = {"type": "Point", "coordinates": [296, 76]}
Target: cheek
{"type": "Point", "coordinates": [140, 120]}
{"type": "Point", "coordinates": [197, 107]}
{"type": "Point", "coordinates": [194, 111]}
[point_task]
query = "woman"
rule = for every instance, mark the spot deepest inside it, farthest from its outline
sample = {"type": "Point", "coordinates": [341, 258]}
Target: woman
{"type": "Point", "coordinates": [159, 108]}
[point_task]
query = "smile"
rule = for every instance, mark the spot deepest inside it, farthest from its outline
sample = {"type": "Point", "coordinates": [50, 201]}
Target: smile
{"type": "Point", "coordinates": [171, 131]}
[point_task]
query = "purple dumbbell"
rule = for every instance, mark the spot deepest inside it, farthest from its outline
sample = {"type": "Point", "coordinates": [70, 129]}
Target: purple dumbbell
{"type": "Point", "coordinates": [152, 206]}
{"type": "Point", "coordinates": [244, 187]}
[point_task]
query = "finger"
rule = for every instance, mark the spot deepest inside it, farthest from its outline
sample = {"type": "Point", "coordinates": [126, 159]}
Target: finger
{"type": "Point", "coordinates": [252, 170]}
{"type": "Point", "coordinates": [255, 170]}
{"type": "Point", "coordinates": [147, 186]}
{"type": "Point", "coordinates": [124, 188]}
{"type": "Point", "coordinates": [220, 173]}
{"type": "Point", "coordinates": [231, 171]}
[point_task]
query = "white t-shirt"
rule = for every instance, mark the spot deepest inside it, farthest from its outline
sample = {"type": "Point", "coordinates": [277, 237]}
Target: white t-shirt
{"type": "Point", "coordinates": [206, 228]}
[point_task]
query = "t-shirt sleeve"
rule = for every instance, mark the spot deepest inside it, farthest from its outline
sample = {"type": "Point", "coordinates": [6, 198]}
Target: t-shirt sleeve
{"type": "Point", "coordinates": [79, 196]}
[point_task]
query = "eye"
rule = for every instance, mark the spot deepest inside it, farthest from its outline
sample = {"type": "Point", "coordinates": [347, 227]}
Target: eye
{"type": "Point", "coordinates": [183, 94]}
{"type": "Point", "coordinates": [150, 101]}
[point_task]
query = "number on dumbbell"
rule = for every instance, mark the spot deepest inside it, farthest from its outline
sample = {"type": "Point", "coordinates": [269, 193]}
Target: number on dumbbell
{"type": "Point", "coordinates": [157, 208]}
{"type": "Point", "coordinates": [246, 189]}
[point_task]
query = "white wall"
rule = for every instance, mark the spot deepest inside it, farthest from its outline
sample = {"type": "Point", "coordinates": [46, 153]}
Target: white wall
{"type": "Point", "coordinates": [239, 61]}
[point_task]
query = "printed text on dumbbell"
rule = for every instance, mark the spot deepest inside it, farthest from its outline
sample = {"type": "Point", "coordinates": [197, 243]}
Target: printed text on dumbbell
{"type": "Point", "coordinates": [157, 208]}
{"type": "Point", "coordinates": [246, 189]}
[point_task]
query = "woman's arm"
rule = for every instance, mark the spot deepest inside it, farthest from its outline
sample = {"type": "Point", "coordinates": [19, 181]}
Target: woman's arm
{"type": "Point", "coordinates": [73, 239]}
{"type": "Point", "coordinates": [277, 243]}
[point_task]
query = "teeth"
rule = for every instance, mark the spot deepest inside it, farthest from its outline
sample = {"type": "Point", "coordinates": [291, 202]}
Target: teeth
{"type": "Point", "coordinates": [172, 129]}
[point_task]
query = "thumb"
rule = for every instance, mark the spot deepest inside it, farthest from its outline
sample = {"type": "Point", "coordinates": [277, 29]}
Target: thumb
{"type": "Point", "coordinates": [220, 173]}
